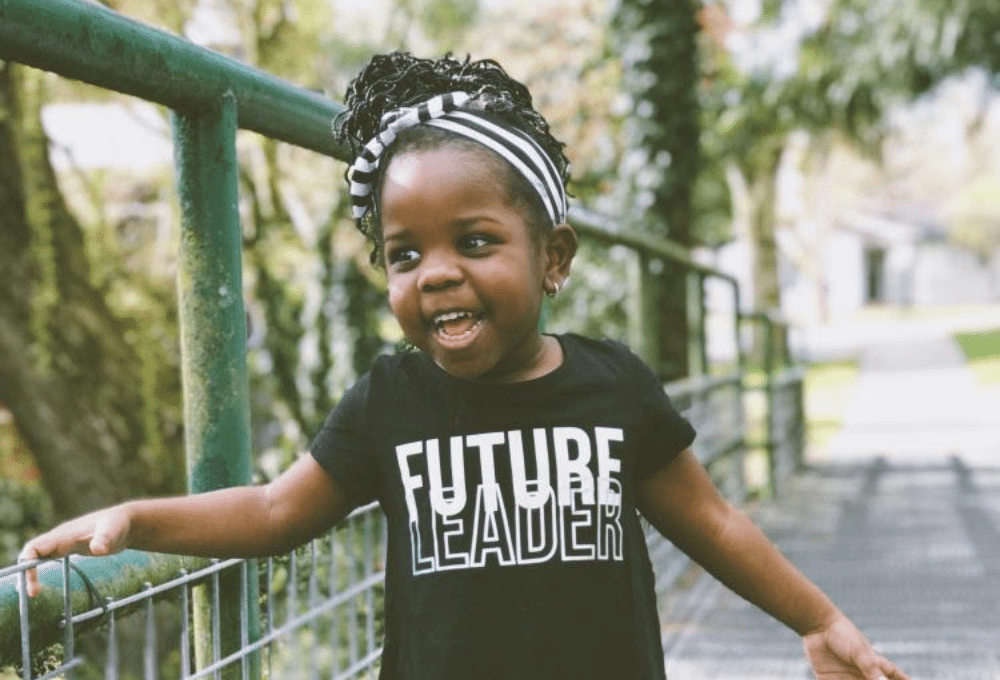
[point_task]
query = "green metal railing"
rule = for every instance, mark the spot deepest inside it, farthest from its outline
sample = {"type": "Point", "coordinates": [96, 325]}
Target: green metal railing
{"type": "Point", "coordinates": [90, 43]}
{"type": "Point", "coordinates": [322, 602]}
{"type": "Point", "coordinates": [211, 96]}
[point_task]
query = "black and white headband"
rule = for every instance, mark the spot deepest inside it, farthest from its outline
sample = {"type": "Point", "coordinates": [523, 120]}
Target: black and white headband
{"type": "Point", "coordinates": [513, 145]}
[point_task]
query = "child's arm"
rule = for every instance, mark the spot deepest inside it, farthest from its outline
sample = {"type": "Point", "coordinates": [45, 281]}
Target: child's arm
{"type": "Point", "coordinates": [683, 504]}
{"type": "Point", "coordinates": [240, 521]}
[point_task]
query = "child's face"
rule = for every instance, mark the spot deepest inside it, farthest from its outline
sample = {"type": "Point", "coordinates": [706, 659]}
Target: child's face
{"type": "Point", "coordinates": [466, 275]}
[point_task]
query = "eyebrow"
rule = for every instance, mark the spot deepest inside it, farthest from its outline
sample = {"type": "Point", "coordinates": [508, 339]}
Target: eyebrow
{"type": "Point", "coordinates": [467, 223]}
{"type": "Point", "coordinates": [463, 223]}
{"type": "Point", "coordinates": [400, 236]}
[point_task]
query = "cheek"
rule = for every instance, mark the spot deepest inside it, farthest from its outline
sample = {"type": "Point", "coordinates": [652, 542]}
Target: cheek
{"type": "Point", "coordinates": [398, 292]}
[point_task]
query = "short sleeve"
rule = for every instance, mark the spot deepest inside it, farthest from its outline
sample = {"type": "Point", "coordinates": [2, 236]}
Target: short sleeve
{"type": "Point", "coordinates": [344, 449]}
{"type": "Point", "coordinates": [665, 432]}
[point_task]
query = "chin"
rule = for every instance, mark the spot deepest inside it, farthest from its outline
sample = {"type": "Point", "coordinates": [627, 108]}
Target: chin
{"type": "Point", "coordinates": [465, 372]}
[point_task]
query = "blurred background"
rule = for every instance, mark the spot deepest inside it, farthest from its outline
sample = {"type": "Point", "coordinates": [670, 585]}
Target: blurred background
{"type": "Point", "coordinates": [840, 158]}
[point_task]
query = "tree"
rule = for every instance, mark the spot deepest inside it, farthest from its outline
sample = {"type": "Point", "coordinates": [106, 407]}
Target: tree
{"type": "Point", "coordinates": [660, 64]}
{"type": "Point", "coordinates": [92, 393]}
{"type": "Point", "coordinates": [845, 69]}
{"type": "Point", "coordinates": [89, 364]}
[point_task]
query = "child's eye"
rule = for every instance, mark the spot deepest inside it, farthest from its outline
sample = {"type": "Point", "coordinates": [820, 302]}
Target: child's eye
{"type": "Point", "coordinates": [475, 242]}
{"type": "Point", "coordinates": [402, 255]}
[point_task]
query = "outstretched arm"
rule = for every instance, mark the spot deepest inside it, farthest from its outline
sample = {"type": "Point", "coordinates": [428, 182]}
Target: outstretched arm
{"type": "Point", "coordinates": [683, 504]}
{"type": "Point", "coordinates": [240, 521]}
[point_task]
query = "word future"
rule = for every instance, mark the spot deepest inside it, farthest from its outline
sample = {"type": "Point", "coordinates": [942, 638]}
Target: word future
{"type": "Point", "coordinates": [492, 510]}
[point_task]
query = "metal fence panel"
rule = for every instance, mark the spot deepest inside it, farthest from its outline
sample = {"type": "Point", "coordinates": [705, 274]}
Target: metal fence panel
{"type": "Point", "coordinates": [321, 608]}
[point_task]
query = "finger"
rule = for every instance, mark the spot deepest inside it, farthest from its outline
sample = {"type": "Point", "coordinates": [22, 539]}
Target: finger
{"type": "Point", "coordinates": [881, 668]}
{"type": "Point", "coordinates": [33, 587]}
{"type": "Point", "coordinates": [894, 672]}
{"type": "Point", "coordinates": [106, 537]}
{"type": "Point", "coordinates": [869, 664]}
{"type": "Point", "coordinates": [32, 583]}
{"type": "Point", "coordinates": [100, 542]}
{"type": "Point", "coordinates": [45, 546]}
{"type": "Point", "coordinates": [99, 546]}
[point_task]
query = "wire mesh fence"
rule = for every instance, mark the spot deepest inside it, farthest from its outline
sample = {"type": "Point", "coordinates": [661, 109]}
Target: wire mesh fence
{"type": "Point", "coordinates": [786, 425]}
{"type": "Point", "coordinates": [321, 617]}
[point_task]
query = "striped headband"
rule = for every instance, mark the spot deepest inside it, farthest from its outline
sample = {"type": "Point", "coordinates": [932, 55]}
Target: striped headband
{"type": "Point", "coordinates": [513, 145]}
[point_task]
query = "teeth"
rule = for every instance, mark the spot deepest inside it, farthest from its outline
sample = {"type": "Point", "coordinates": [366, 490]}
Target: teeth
{"type": "Point", "coordinates": [450, 316]}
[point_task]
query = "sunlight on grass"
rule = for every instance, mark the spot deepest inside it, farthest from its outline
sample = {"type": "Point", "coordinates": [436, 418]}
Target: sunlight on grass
{"type": "Point", "coordinates": [982, 349]}
{"type": "Point", "coordinates": [755, 458]}
{"type": "Point", "coordinates": [828, 389]}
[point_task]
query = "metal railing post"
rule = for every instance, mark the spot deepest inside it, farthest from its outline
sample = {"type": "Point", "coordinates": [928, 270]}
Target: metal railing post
{"type": "Point", "coordinates": [643, 308]}
{"type": "Point", "coordinates": [696, 317]}
{"type": "Point", "coordinates": [770, 442]}
{"type": "Point", "coordinates": [213, 341]}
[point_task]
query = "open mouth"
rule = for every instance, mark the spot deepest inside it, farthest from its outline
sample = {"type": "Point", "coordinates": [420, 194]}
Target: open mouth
{"type": "Point", "coordinates": [456, 325]}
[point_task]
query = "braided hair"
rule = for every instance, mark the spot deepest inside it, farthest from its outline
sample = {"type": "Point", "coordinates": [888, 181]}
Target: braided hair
{"type": "Point", "coordinates": [399, 79]}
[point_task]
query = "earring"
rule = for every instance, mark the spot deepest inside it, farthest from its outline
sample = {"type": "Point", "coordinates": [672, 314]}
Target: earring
{"type": "Point", "coordinates": [557, 286]}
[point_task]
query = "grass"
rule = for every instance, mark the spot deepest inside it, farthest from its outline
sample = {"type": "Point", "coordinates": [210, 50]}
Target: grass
{"type": "Point", "coordinates": [982, 350]}
{"type": "Point", "coordinates": [828, 389]}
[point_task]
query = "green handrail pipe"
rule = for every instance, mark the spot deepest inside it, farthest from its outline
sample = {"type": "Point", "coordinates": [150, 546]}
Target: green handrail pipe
{"type": "Point", "coordinates": [117, 576]}
{"type": "Point", "coordinates": [96, 45]}
{"type": "Point", "coordinates": [213, 341]}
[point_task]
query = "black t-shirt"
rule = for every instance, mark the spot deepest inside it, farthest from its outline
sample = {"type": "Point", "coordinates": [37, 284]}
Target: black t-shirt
{"type": "Point", "coordinates": [515, 551]}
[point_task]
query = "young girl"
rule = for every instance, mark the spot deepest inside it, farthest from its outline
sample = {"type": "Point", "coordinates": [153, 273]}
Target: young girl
{"type": "Point", "coordinates": [511, 464]}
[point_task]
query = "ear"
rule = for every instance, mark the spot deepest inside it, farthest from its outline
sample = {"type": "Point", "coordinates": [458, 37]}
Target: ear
{"type": "Point", "coordinates": [560, 248]}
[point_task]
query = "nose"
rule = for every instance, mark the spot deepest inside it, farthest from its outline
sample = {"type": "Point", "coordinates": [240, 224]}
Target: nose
{"type": "Point", "coordinates": [439, 271]}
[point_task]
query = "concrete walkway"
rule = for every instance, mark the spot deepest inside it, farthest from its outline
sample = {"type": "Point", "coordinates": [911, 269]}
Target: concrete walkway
{"type": "Point", "coordinates": [898, 520]}
{"type": "Point", "coordinates": [910, 553]}
{"type": "Point", "coordinates": [916, 401]}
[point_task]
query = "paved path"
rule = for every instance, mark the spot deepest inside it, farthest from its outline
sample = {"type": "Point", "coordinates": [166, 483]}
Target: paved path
{"type": "Point", "coordinates": [916, 400]}
{"type": "Point", "coordinates": [910, 553]}
{"type": "Point", "coordinates": [899, 522]}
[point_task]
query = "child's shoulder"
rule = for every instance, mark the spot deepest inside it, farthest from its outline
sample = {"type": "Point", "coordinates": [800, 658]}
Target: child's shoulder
{"type": "Point", "coordinates": [600, 348]}
{"type": "Point", "coordinates": [402, 365]}
{"type": "Point", "coordinates": [601, 354]}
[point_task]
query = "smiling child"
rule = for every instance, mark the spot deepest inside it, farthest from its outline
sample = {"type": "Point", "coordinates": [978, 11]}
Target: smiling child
{"type": "Point", "coordinates": [512, 466]}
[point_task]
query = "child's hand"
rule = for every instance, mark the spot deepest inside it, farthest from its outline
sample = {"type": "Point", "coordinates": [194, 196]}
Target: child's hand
{"type": "Point", "coordinates": [840, 652]}
{"type": "Point", "coordinates": [100, 533]}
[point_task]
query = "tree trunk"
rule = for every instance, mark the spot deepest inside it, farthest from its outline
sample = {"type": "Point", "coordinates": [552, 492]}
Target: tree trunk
{"type": "Point", "coordinates": [71, 371]}
{"type": "Point", "coordinates": [764, 250]}
{"type": "Point", "coordinates": [661, 62]}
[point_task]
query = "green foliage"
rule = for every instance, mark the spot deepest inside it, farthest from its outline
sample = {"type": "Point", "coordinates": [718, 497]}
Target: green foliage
{"type": "Point", "coordinates": [593, 302]}
{"type": "Point", "coordinates": [284, 37]}
{"type": "Point", "coordinates": [858, 61]}
{"type": "Point", "coordinates": [25, 511]}
{"type": "Point", "coordinates": [836, 79]}
{"type": "Point", "coordinates": [975, 217]}
{"type": "Point", "coordinates": [660, 55]}
{"type": "Point", "coordinates": [443, 19]}
{"type": "Point", "coordinates": [712, 206]}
